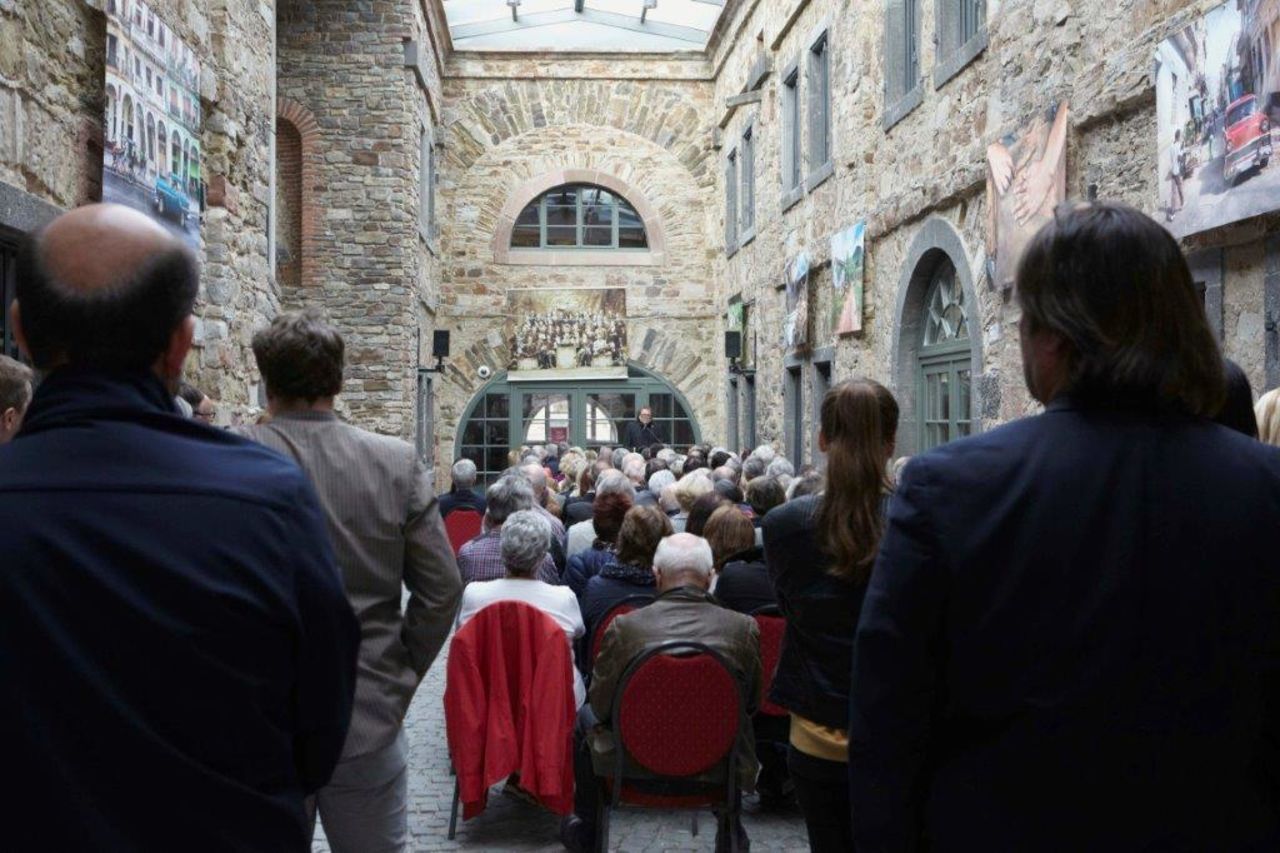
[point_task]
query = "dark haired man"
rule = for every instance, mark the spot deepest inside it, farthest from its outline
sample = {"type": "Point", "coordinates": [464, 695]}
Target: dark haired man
{"type": "Point", "coordinates": [176, 641]}
{"type": "Point", "coordinates": [388, 533]}
{"type": "Point", "coordinates": [1070, 640]}
{"type": "Point", "coordinates": [15, 396]}
{"type": "Point", "coordinates": [640, 432]}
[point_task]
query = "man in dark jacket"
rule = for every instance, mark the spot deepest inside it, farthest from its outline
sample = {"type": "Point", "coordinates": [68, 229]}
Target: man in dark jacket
{"type": "Point", "coordinates": [176, 643]}
{"type": "Point", "coordinates": [640, 432]}
{"type": "Point", "coordinates": [1070, 640]}
{"type": "Point", "coordinates": [684, 610]}
{"type": "Point", "coordinates": [462, 493]}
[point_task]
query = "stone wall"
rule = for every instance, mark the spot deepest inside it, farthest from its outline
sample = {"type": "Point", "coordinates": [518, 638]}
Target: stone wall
{"type": "Point", "coordinates": [922, 182]}
{"type": "Point", "coordinates": [647, 137]}
{"type": "Point", "coordinates": [52, 102]}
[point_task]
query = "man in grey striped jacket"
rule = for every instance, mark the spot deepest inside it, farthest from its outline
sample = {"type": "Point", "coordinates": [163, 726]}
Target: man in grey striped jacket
{"type": "Point", "coordinates": [386, 530]}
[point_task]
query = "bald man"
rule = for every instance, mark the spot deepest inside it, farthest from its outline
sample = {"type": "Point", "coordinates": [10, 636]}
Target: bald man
{"type": "Point", "coordinates": [176, 650]}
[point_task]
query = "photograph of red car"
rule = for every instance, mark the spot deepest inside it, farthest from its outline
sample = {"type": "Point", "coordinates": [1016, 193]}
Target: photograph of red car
{"type": "Point", "coordinates": [1218, 104]}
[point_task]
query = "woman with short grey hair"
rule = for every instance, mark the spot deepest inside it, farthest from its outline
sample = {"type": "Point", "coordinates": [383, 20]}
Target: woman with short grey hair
{"type": "Point", "coordinates": [525, 539]}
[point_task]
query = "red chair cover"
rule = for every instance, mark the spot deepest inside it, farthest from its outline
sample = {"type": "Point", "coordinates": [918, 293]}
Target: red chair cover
{"type": "Point", "coordinates": [772, 627]}
{"type": "Point", "coordinates": [620, 609]}
{"type": "Point", "coordinates": [679, 715]}
{"type": "Point", "coordinates": [462, 525]}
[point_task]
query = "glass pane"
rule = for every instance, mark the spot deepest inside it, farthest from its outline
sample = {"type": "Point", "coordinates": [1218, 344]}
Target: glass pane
{"type": "Point", "coordinates": [546, 418]}
{"type": "Point", "coordinates": [963, 403]}
{"type": "Point", "coordinates": [473, 433]}
{"type": "Point", "coordinates": [528, 216]}
{"type": "Point", "coordinates": [562, 236]}
{"type": "Point", "coordinates": [475, 454]}
{"type": "Point", "coordinates": [944, 396]}
{"type": "Point", "coordinates": [662, 429]}
{"type": "Point", "coordinates": [597, 214]}
{"type": "Point", "coordinates": [597, 236]}
{"type": "Point", "coordinates": [497, 405]}
{"type": "Point", "coordinates": [561, 216]}
{"type": "Point", "coordinates": [562, 196]}
{"type": "Point", "coordinates": [497, 432]}
{"type": "Point", "coordinates": [683, 433]}
{"type": "Point", "coordinates": [661, 405]}
{"type": "Point", "coordinates": [627, 216]}
{"type": "Point", "coordinates": [495, 459]}
{"type": "Point", "coordinates": [632, 238]}
{"type": "Point", "coordinates": [525, 237]}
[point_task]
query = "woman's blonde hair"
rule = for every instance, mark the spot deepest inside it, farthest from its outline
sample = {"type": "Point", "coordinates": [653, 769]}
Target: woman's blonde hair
{"type": "Point", "coordinates": [691, 487]}
{"type": "Point", "coordinates": [1267, 411]}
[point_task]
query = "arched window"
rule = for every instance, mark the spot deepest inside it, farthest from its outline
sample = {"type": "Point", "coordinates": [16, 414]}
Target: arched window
{"type": "Point", "coordinates": [579, 216]}
{"type": "Point", "coordinates": [945, 361]}
{"type": "Point", "coordinates": [505, 415]}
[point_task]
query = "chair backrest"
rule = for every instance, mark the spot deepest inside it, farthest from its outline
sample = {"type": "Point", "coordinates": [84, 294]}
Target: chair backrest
{"type": "Point", "coordinates": [772, 626]}
{"type": "Point", "coordinates": [626, 605]}
{"type": "Point", "coordinates": [679, 708]}
{"type": "Point", "coordinates": [462, 525]}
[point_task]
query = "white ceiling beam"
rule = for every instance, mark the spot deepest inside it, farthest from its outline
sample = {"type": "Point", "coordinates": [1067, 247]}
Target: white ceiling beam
{"type": "Point", "coordinates": [692, 35]}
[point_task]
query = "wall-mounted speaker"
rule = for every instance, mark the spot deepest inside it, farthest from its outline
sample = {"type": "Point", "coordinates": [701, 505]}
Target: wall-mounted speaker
{"type": "Point", "coordinates": [440, 343]}
{"type": "Point", "coordinates": [733, 344]}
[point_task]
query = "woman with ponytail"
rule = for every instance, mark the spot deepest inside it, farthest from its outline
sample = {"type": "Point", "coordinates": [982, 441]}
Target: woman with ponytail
{"type": "Point", "coordinates": [820, 549]}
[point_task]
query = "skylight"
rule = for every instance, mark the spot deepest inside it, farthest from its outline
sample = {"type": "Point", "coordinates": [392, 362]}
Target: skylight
{"type": "Point", "coordinates": [633, 26]}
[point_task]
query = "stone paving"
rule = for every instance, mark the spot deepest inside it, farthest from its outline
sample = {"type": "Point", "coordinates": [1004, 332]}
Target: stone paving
{"type": "Point", "coordinates": [510, 825]}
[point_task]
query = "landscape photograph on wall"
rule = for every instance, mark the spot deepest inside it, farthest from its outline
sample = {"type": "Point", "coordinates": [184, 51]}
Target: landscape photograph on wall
{"type": "Point", "coordinates": [1217, 105]}
{"type": "Point", "coordinates": [561, 334]}
{"type": "Point", "coordinates": [151, 151]}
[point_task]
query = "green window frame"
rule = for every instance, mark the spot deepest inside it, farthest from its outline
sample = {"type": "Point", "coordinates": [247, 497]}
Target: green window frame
{"type": "Point", "coordinates": [579, 216]}
{"type": "Point", "coordinates": [944, 384]}
{"type": "Point", "coordinates": [504, 413]}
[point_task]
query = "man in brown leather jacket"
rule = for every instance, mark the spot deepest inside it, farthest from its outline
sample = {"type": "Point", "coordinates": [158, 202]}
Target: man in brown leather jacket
{"type": "Point", "coordinates": [684, 610]}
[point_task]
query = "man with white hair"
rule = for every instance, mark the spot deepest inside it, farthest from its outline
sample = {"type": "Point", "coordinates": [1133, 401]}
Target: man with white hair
{"type": "Point", "coordinates": [537, 477]}
{"type": "Point", "coordinates": [15, 396]}
{"type": "Point", "coordinates": [462, 492]}
{"type": "Point", "coordinates": [684, 610]}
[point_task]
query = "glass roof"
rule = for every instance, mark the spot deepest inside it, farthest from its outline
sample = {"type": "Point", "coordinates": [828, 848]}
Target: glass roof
{"type": "Point", "coordinates": [582, 25]}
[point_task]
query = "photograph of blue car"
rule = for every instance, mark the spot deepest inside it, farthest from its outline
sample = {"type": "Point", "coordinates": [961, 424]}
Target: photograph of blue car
{"type": "Point", "coordinates": [151, 159]}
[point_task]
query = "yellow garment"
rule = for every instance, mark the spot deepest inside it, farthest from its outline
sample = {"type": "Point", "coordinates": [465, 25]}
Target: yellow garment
{"type": "Point", "coordinates": [819, 741]}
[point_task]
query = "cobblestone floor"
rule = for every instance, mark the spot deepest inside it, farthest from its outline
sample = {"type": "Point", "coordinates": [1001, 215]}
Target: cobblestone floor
{"type": "Point", "coordinates": [508, 824]}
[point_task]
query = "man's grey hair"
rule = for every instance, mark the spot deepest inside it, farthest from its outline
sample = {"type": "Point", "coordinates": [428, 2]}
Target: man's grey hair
{"type": "Point", "coordinates": [525, 540]}
{"type": "Point", "coordinates": [765, 452]}
{"type": "Point", "coordinates": [667, 455]}
{"type": "Point", "coordinates": [780, 467]}
{"type": "Point", "coordinates": [633, 466]}
{"type": "Point", "coordinates": [464, 474]}
{"type": "Point", "coordinates": [15, 385]}
{"type": "Point", "coordinates": [537, 477]}
{"type": "Point", "coordinates": [660, 480]}
{"type": "Point", "coordinates": [511, 494]}
{"type": "Point", "coordinates": [684, 552]}
{"type": "Point", "coordinates": [754, 467]}
{"type": "Point", "coordinates": [614, 482]}
{"type": "Point", "coordinates": [619, 453]}
{"type": "Point", "coordinates": [677, 465]}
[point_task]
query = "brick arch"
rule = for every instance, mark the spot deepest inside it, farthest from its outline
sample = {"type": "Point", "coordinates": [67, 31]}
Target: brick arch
{"type": "Point", "coordinates": [536, 186]}
{"type": "Point", "coordinates": [667, 118]}
{"type": "Point", "coordinates": [298, 162]}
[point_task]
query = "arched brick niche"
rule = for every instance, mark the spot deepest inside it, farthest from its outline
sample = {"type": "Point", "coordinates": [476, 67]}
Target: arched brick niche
{"type": "Point", "coordinates": [297, 220]}
{"type": "Point", "coordinates": [655, 255]}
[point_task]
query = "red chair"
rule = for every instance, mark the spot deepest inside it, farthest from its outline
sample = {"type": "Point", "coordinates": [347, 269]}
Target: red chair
{"type": "Point", "coordinates": [626, 605]}
{"type": "Point", "coordinates": [772, 626]}
{"type": "Point", "coordinates": [678, 710]}
{"type": "Point", "coordinates": [462, 525]}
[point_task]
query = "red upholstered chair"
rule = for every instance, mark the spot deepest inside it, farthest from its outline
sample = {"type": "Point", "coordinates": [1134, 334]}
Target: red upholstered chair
{"type": "Point", "coordinates": [462, 525]}
{"type": "Point", "coordinates": [772, 626]}
{"type": "Point", "coordinates": [678, 709]}
{"type": "Point", "coordinates": [626, 605]}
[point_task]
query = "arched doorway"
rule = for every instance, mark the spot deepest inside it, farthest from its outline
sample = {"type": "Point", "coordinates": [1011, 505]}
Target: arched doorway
{"type": "Point", "coordinates": [945, 378]}
{"type": "Point", "coordinates": [506, 413]}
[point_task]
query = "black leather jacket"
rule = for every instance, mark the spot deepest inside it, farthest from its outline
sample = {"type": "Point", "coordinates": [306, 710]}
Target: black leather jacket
{"type": "Point", "coordinates": [822, 615]}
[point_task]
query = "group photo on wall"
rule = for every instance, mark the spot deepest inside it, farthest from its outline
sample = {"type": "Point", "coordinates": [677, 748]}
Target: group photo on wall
{"type": "Point", "coordinates": [565, 334]}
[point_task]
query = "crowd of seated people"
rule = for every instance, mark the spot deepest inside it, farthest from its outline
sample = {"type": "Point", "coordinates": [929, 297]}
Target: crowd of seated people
{"type": "Point", "coordinates": [1062, 633]}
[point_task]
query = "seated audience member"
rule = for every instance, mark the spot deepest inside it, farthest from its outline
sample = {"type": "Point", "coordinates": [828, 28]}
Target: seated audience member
{"type": "Point", "coordinates": [659, 481]}
{"type": "Point", "coordinates": [730, 492]}
{"type": "Point", "coordinates": [1267, 413]}
{"type": "Point", "coordinates": [582, 534]}
{"type": "Point", "coordinates": [524, 540]}
{"type": "Point", "coordinates": [726, 473]}
{"type": "Point", "coordinates": [634, 468]}
{"type": "Point", "coordinates": [653, 466]}
{"type": "Point", "coordinates": [481, 558]}
{"type": "Point", "coordinates": [610, 508]}
{"type": "Point", "coordinates": [896, 468]}
{"type": "Point", "coordinates": [669, 503]}
{"type": "Point", "coordinates": [577, 508]}
{"type": "Point", "coordinates": [701, 511]}
{"type": "Point", "coordinates": [718, 457]}
{"type": "Point", "coordinates": [753, 467]}
{"type": "Point", "coordinates": [742, 578]}
{"type": "Point", "coordinates": [630, 571]}
{"type": "Point", "coordinates": [819, 550]}
{"type": "Point", "coordinates": [619, 454]}
{"type": "Point", "coordinates": [1070, 639]}
{"type": "Point", "coordinates": [765, 494]}
{"type": "Point", "coordinates": [810, 484]}
{"type": "Point", "coordinates": [202, 408]}
{"type": "Point", "coordinates": [176, 641]}
{"type": "Point", "coordinates": [689, 488]}
{"type": "Point", "coordinates": [15, 396]}
{"type": "Point", "coordinates": [547, 507]}
{"type": "Point", "coordinates": [683, 610]}
{"type": "Point", "coordinates": [1237, 409]}
{"type": "Point", "coordinates": [462, 492]}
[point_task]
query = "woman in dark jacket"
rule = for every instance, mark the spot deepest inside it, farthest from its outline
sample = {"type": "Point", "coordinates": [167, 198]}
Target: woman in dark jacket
{"type": "Point", "coordinates": [606, 517]}
{"type": "Point", "coordinates": [629, 573]}
{"type": "Point", "coordinates": [742, 580]}
{"type": "Point", "coordinates": [819, 550]}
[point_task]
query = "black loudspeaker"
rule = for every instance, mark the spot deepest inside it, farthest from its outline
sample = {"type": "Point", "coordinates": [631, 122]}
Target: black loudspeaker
{"type": "Point", "coordinates": [440, 343]}
{"type": "Point", "coordinates": [733, 344]}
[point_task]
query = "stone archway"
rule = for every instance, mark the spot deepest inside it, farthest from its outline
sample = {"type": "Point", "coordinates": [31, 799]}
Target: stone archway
{"type": "Point", "coordinates": [936, 243]}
